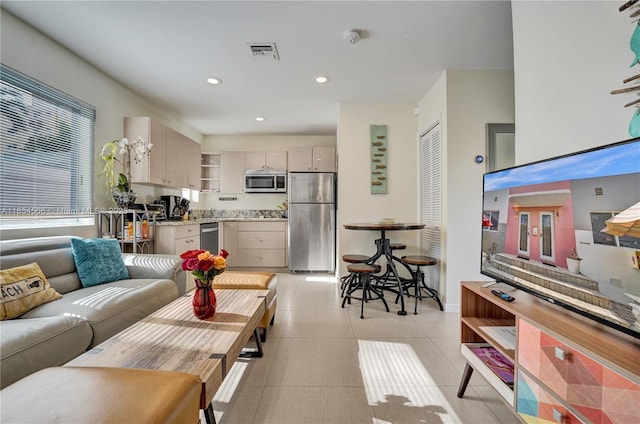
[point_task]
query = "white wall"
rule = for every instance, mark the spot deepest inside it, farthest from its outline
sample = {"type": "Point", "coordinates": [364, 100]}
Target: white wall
{"type": "Point", "coordinates": [464, 101]}
{"type": "Point", "coordinates": [568, 56]}
{"type": "Point", "coordinates": [254, 143]}
{"type": "Point", "coordinates": [355, 201]}
{"type": "Point", "coordinates": [563, 79]}
{"type": "Point", "coordinates": [30, 52]}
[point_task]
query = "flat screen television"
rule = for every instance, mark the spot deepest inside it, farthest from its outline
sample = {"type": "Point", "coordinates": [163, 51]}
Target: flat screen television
{"type": "Point", "coordinates": [545, 231]}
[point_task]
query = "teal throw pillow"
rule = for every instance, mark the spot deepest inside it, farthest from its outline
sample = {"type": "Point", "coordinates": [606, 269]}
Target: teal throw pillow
{"type": "Point", "coordinates": [98, 261]}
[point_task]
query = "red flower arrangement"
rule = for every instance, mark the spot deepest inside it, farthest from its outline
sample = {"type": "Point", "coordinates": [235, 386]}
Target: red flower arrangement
{"type": "Point", "coordinates": [203, 265]}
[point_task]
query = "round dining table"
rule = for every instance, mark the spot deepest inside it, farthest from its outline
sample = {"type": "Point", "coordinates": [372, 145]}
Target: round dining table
{"type": "Point", "coordinates": [383, 248]}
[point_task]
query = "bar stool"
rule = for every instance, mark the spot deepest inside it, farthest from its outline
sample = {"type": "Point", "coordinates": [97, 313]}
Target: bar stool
{"type": "Point", "coordinates": [362, 281]}
{"type": "Point", "coordinates": [419, 286]}
{"type": "Point", "coordinates": [347, 280]}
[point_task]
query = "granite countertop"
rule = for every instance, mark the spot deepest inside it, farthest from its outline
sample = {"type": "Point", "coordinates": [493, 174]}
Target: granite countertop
{"type": "Point", "coordinates": [207, 220]}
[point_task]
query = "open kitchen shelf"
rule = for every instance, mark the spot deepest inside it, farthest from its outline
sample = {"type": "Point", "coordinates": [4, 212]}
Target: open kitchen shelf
{"type": "Point", "coordinates": [114, 224]}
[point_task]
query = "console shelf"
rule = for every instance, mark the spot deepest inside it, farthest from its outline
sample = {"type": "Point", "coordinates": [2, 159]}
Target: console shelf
{"type": "Point", "coordinates": [549, 339]}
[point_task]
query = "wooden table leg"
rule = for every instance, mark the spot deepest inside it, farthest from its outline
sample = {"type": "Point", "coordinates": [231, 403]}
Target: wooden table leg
{"type": "Point", "coordinates": [466, 376]}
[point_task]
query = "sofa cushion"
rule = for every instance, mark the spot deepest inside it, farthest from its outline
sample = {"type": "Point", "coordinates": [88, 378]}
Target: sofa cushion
{"type": "Point", "coordinates": [24, 288]}
{"type": "Point", "coordinates": [53, 255]}
{"type": "Point", "coordinates": [111, 307]}
{"type": "Point", "coordinates": [98, 261]}
{"type": "Point", "coordinates": [29, 345]}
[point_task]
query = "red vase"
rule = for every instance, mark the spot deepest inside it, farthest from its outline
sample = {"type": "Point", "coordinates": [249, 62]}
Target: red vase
{"type": "Point", "coordinates": [204, 301]}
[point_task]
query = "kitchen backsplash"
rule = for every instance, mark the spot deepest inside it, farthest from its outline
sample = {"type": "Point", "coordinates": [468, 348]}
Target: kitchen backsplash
{"type": "Point", "coordinates": [236, 213]}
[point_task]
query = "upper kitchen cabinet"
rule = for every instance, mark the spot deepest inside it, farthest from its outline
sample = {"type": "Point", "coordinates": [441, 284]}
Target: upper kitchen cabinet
{"type": "Point", "coordinates": [314, 159]}
{"type": "Point", "coordinates": [265, 160]}
{"type": "Point", "coordinates": [151, 169]}
{"type": "Point", "coordinates": [232, 172]}
{"type": "Point", "coordinates": [173, 161]}
{"type": "Point", "coordinates": [193, 160]}
{"type": "Point", "coordinates": [176, 159]}
{"type": "Point", "coordinates": [183, 161]}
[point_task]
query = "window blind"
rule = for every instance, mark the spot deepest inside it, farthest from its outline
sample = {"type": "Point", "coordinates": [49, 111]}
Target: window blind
{"type": "Point", "coordinates": [46, 154]}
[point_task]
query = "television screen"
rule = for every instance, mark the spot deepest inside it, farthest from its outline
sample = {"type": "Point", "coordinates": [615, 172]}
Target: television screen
{"type": "Point", "coordinates": [567, 229]}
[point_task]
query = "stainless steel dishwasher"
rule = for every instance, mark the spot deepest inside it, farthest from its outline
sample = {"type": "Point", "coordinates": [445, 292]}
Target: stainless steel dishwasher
{"type": "Point", "coordinates": [209, 237]}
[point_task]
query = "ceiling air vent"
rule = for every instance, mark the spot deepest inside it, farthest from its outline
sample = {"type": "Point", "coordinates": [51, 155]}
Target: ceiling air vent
{"type": "Point", "coordinates": [264, 51]}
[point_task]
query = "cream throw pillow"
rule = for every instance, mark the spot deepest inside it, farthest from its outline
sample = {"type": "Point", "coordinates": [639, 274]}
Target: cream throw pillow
{"type": "Point", "coordinates": [24, 288]}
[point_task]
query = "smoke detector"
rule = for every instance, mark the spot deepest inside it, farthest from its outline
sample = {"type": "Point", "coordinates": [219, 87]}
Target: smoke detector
{"type": "Point", "coordinates": [352, 36]}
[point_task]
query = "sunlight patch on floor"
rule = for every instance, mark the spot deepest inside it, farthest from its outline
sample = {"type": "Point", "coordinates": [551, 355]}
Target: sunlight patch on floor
{"type": "Point", "coordinates": [319, 279]}
{"type": "Point", "coordinates": [231, 382]}
{"type": "Point", "coordinates": [393, 374]}
{"type": "Point", "coordinates": [228, 388]}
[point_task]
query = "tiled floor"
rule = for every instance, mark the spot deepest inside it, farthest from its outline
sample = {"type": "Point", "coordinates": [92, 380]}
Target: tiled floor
{"type": "Point", "coordinates": [323, 364]}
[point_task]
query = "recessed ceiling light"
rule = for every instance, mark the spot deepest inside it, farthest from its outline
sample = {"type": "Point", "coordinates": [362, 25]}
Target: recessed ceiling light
{"type": "Point", "coordinates": [321, 79]}
{"type": "Point", "coordinates": [214, 80]}
{"type": "Point", "coordinates": [259, 119]}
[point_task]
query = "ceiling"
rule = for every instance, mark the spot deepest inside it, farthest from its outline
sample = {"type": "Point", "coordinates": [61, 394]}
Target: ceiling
{"type": "Point", "coordinates": [165, 50]}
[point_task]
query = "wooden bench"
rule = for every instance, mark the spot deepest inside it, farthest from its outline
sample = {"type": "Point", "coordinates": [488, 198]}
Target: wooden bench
{"type": "Point", "coordinates": [248, 280]}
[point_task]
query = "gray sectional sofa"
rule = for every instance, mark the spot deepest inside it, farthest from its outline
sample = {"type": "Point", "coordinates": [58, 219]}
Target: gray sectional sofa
{"type": "Point", "coordinates": [56, 332]}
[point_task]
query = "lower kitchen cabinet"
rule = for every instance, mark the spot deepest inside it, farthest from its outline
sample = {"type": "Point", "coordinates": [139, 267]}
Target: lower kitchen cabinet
{"type": "Point", "coordinates": [176, 239]}
{"type": "Point", "coordinates": [230, 241]}
{"type": "Point", "coordinates": [255, 243]}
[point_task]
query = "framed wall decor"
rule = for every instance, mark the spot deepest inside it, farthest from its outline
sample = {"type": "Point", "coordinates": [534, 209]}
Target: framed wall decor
{"type": "Point", "coordinates": [378, 159]}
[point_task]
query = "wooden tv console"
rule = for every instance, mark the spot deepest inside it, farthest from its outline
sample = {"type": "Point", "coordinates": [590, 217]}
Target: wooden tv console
{"type": "Point", "coordinates": [567, 368]}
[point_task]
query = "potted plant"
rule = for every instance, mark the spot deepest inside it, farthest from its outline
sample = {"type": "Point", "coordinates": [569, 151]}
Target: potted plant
{"type": "Point", "coordinates": [573, 262]}
{"type": "Point", "coordinates": [120, 189]}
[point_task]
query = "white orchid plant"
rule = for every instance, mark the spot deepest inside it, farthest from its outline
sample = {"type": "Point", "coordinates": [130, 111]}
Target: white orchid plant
{"type": "Point", "coordinates": [136, 150]}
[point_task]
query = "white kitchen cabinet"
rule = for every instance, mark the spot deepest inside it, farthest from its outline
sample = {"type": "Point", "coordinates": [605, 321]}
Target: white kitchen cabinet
{"type": "Point", "coordinates": [230, 241]}
{"type": "Point", "coordinates": [176, 160]}
{"type": "Point", "coordinates": [152, 168]}
{"type": "Point", "coordinates": [265, 160]}
{"type": "Point", "coordinates": [172, 162]}
{"type": "Point", "coordinates": [232, 172]}
{"type": "Point", "coordinates": [314, 159]}
{"type": "Point", "coordinates": [183, 161]}
{"type": "Point", "coordinates": [192, 163]}
{"type": "Point", "coordinates": [262, 244]}
{"type": "Point", "coordinates": [176, 239]}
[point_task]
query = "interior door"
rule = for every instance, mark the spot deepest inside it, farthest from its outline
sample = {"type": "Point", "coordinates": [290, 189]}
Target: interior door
{"type": "Point", "coordinates": [547, 248]}
{"type": "Point", "coordinates": [431, 199]}
{"type": "Point", "coordinates": [523, 233]}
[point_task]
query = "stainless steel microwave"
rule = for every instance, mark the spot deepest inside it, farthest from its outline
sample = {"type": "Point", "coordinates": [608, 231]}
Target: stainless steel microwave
{"type": "Point", "coordinates": [265, 181]}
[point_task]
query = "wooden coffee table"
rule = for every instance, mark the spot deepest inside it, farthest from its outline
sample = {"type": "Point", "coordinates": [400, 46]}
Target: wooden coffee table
{"type": "Point", "coordinates": [172, 338]}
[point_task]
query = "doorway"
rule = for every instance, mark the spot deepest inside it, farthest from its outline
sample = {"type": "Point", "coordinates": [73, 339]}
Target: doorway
{"type": "Point", "coordinates": [547, 248]}
{"type": "Point", "coordinates": [501, 151]}
{"type": "Point", "coordinates": [523, 234]}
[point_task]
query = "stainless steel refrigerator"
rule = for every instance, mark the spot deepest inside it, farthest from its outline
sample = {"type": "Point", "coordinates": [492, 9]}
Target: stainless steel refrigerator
{"type": "Point", "coordinates": [312, 221]}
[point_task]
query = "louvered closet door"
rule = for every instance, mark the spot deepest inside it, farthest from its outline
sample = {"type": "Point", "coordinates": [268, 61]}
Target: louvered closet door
{"type": "Point", "coordinates": [430, 146]}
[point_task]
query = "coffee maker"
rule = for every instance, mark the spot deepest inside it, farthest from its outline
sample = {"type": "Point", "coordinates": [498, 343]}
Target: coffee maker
{"type": "Point", "coordinates": [175, 206]}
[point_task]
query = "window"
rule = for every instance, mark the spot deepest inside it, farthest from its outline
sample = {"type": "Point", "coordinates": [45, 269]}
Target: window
{"type": "Point", "coordinates": [598, 224]}
{"type": "Point", "coordinates": [491, 218]}
{"type": "Point", "coordinates": [46, 162]}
